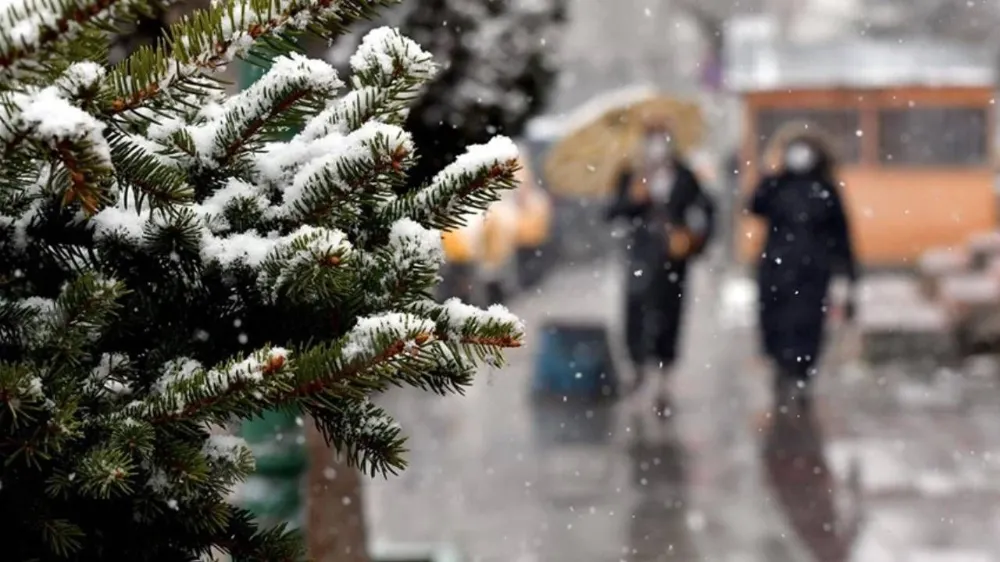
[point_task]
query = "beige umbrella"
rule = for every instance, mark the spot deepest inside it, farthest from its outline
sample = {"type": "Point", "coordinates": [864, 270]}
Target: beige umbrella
{"type": "Point", "coordinates": [586, 162]}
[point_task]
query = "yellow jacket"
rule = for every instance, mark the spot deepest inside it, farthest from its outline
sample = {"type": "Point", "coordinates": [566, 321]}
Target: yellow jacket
{"type": "Point", "coordinates": [499, 237]}
{"type": "Point", "coordinates": [534, 217]}
{"type": "Point", "coordinates": [458, 247]}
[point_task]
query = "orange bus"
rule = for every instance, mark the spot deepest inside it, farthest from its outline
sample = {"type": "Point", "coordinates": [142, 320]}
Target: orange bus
{"type": "Point", "coordinates": [912, 125]}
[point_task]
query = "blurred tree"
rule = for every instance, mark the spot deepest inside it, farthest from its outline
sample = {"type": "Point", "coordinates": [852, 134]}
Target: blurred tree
{"type": "Point", "coordinates": [497, 62]}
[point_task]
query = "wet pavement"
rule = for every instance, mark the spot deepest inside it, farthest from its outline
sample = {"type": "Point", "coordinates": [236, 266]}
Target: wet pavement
{"type": "Point", "coordinates": [898, 464]}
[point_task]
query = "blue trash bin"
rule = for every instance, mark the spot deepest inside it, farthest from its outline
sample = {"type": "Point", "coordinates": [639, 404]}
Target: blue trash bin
{"type": "Point", "coordinates": [575, 361]}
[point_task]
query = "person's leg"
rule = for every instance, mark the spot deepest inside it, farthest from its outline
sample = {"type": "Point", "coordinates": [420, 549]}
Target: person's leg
{"type": "Point", "coordinates": [635, 338]}
{"type": "Point", "coordinates": [793, 387]}
{"type": "Point", "coordinates": [803, 396]}
{"type": "Point", "coordinates": [784, 387]}
{"type": "Point", "coordinates": [808, 343]}
{"type": "Point", "coordinates": [669, 305]}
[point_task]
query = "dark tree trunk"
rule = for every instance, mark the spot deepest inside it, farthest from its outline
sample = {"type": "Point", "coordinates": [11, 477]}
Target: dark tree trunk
{"type": "Point", "coordinates": [336, 523]}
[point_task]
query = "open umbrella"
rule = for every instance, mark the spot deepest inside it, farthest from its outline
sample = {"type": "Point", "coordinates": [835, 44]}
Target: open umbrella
{"type": "Point", "coordinates": [587, 160]}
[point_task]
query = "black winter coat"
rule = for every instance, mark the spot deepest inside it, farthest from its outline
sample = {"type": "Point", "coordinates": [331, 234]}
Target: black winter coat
{"type": "Point", "coordinates": [655, 282]}
{"type": "Point", "coordinates": [808, 240]}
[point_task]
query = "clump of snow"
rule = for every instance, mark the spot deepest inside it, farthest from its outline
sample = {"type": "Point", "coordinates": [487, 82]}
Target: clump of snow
{"type": "Point", "coordinates": [359, 106]}
{"type": "Point", "coordinates": [372, 132]}
{"type": "Point", "coordinates": [227, 448]}
{"type": "Point", "coordinates": [176, 371]}
{"type": "Point", "coordinates": [363, 340]}
{"type": "Point", "coordinates": [322, 243]}
{"type": "Point", "coordinates": [476, 159]}
{"type": "Point", "coordinates": [252, 368]}
{"type": "Point", "coordinates": [409, 240]}
{"type": "Point", "coordinates": [378, 425]}
{"type": "Point", "coordinates": [34, 389]}
{"type": "Point", "coordinates": [101, 375]}
{"type": "Point", "coordinates": [163, 127]}
{"type": "Point", "coordinates": [500, 314]}
{"type": "Point", "coordinates": [25, 24]}
{"type": "Point", "coordinates": [322, 170]}
{"type": "Point", "coordinates": [387, 51]}
{"type": "Point", "coordinates": [295, 68]}
{"type": "Point", "coordinates": [213, 209]}
{"type": "Point", "coordinates": [460, 317]}
{"type": "Point", "coordinates": [245, 247]}
{"type": "Point", "coordinates": [460, 314]}
{"type": "Point", "coordinates": [26, 31]}
{"type": "Point", "coordinates": [129, 223]}
{"type": "Point", "coordinates": [43, 305]}
{"type": "Point", "coordinates": [353, 151]}
{"type": "Point", "coordinates": [79, 77]}
{"type": "Point", "coordinates": [498, 150]}
{"type": "Point", "coordinates": [158, 481]}
{"type": "Point", "coordinates": [53, 120]}
{"type": "Point", "coordinates": [279, 160]}
{"type": "Point", "coordinates": [291, 73]}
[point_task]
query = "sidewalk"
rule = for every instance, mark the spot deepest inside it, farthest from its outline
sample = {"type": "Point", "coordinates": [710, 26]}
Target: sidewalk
{"type": "Point", "coordinates": [923, 449]}
{"type": "Point", "coordinates": [509, 479]}
{"type": "Point", "coordinates": [901, 466]}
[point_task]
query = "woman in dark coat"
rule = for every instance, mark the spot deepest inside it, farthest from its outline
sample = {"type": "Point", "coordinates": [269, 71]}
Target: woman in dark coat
{"type": "Point", "coordinates": [671, 220]}
{"type": "Point", "coordinates": [808, 241]}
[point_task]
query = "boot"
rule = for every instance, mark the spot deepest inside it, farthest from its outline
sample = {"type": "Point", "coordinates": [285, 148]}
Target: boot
{"type": "Point", "coordinates": [792, 394]}
{"type": "Point", "coordinates": [638, 378]}
{"type": "Point", "coordinates": [803, 395]}
{"type": "Point", "coordinates": [784, 392]}
{"type": "Point", "coordinates": [647, 389]}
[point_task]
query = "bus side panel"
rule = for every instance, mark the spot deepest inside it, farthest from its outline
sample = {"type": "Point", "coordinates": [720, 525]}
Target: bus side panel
{"type": "Point", "coordinates": [897, 214]}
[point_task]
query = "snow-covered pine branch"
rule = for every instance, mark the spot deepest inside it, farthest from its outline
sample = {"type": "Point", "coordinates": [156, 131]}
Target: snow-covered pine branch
{"type": "Point", "coordinates": [32, 30]}
{"type": "Point", "coordinates": [167, 265]}
{"type": "Point", "coordinates": [294, 89]}
{"type": "Point", "coordinates": [208, 41]}
{"type": "Point", "coordinates": [467, 185]}
{"type": "Point", "coordinates": [482, 92]}
{"type": "Point", "coordinates": [388, 71]}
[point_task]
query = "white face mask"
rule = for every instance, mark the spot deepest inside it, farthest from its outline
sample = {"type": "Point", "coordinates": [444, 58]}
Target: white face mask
{"type": "Point", "coordinates": [800, 157]}
{"type": "Point", "coordinates": [657, 148]}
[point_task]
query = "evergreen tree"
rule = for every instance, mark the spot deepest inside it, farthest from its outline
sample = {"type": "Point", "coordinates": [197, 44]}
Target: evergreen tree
{"type": "Point", "coordinates": [498, 64]}
{"type": "Point", "coordinates": [169, 265]}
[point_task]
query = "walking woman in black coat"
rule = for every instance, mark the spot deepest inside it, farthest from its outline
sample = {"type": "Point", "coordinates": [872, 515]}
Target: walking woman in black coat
{"type": "Point", "coordinates": [671, 220]}
{"type": "Point", "coordinates": [808, 241]}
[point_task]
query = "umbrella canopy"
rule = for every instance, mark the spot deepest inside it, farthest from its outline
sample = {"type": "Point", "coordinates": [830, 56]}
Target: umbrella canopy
{"type": "Point", "coordinates": [588, 159]}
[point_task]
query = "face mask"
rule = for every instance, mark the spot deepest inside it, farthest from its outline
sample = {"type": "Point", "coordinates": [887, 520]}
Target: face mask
{"type": "Point", "coordinates": [657, 149]}
{"type": "Point", "coordinates": [800, 158]}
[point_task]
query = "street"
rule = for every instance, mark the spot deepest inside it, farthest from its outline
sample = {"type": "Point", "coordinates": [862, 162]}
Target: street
{"type": "Point", "coordinates": [898, 464]}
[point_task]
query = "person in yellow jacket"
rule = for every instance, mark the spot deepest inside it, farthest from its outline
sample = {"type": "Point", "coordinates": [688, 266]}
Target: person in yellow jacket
{"type": "Point", "coordinates": [534, 220]}
{"type": "Point", "coordinates": [497, 266]}
{"type": "Point", "coordinates": [480, 255]}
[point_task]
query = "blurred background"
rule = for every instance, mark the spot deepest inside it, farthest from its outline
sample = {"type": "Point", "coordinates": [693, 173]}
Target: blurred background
{"type": "Point", "coordinates": [899, 459]}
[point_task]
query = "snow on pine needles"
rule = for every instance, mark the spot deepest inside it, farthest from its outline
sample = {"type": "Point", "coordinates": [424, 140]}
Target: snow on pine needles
{"type": "Point", "coordinates": [171, 261]}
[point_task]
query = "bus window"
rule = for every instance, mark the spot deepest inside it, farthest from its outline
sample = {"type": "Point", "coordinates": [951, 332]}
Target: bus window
{"type": "Point", "coordinates": [841, 125]}
{"type": "Point", "coordinates": [933, 136]}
